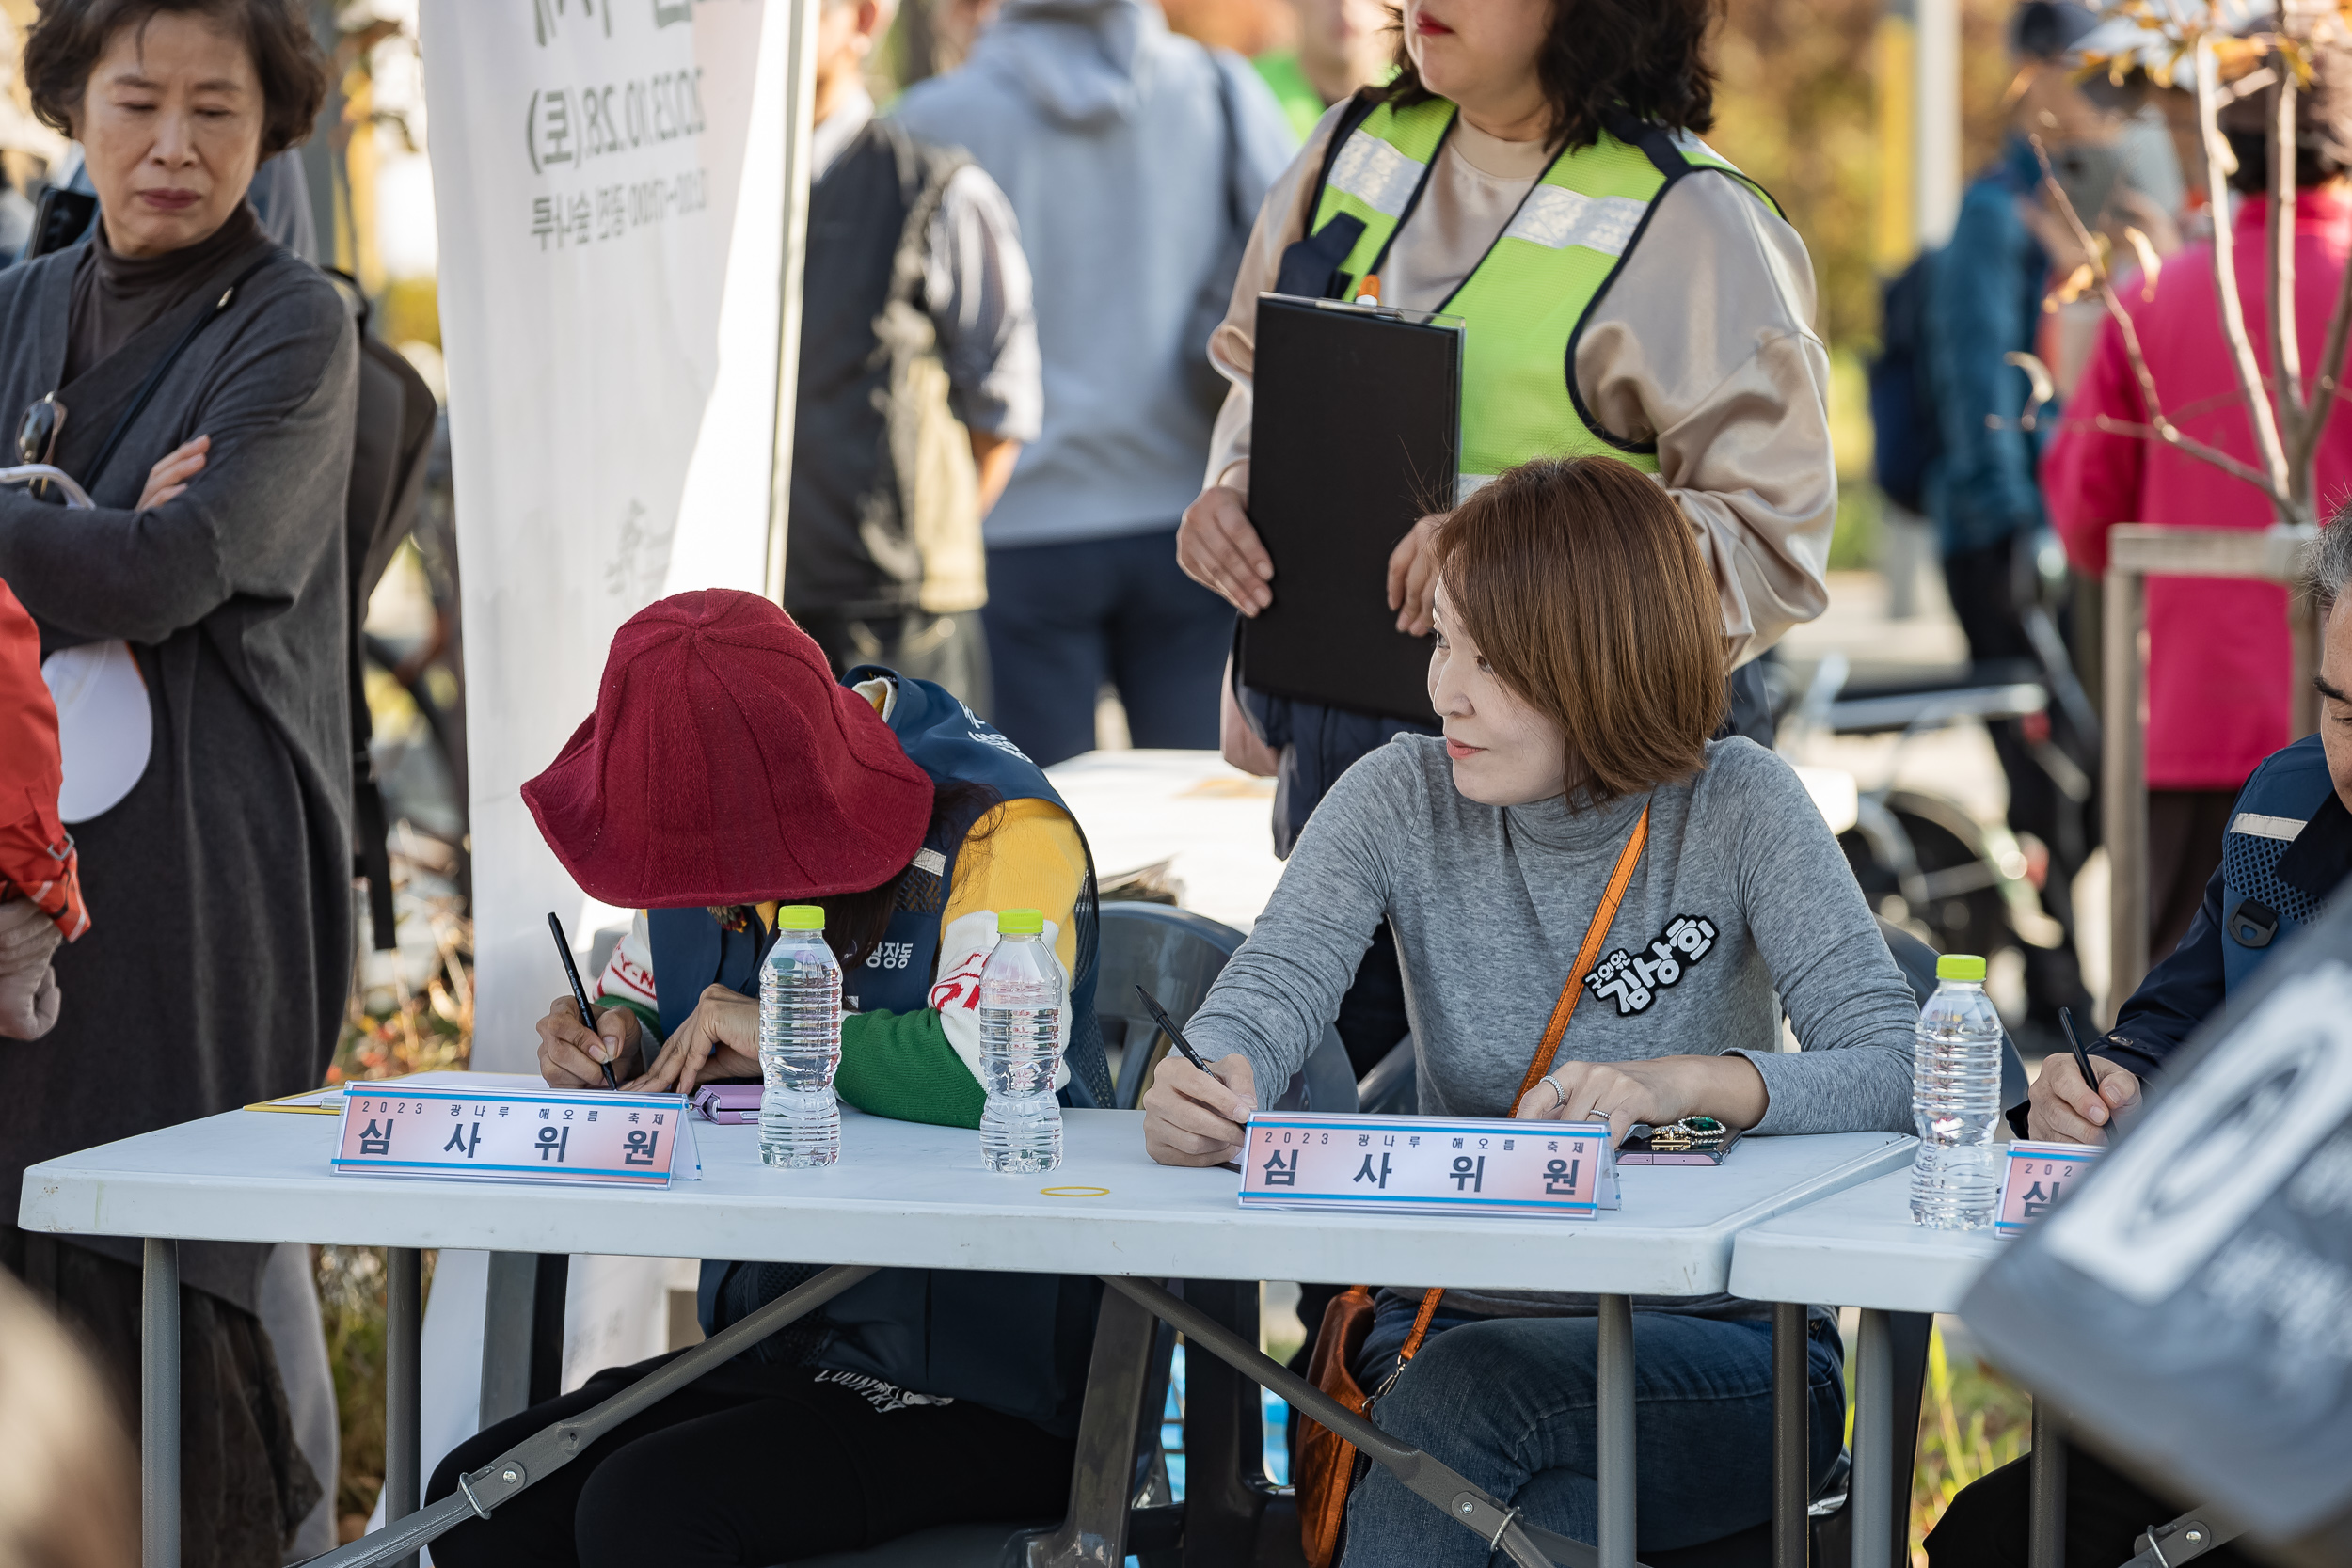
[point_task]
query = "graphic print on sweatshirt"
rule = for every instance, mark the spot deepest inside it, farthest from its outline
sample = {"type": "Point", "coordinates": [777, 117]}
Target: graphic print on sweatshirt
{"type": "Point", "coordinates": [1636, 982]}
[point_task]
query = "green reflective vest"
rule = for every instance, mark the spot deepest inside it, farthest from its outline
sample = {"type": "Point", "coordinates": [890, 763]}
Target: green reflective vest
{"type": "Point", "coordinates": [1525, 304]}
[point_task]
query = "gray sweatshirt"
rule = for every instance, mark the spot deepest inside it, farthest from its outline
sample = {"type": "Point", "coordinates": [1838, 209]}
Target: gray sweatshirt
{"type": "Point", "coordinates": [1741, 894]}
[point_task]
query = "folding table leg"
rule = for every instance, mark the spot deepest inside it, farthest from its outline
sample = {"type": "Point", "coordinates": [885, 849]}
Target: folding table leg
{"type": "Point", "coordinates": [2046, 1506]}
{"type": "Point", "coordinates": [1873, 1491]}
{"type": "Point", "coordinates": [1614, 1401]}
{"type": "Point", "coordinates": [403, 1325]}
{"type": "Point", "coordinates": [1792, 1446]}
{"type": "Point", "coordinates": [159, 1406]}
{"type": "Point", "coordinates": [506, 1314]}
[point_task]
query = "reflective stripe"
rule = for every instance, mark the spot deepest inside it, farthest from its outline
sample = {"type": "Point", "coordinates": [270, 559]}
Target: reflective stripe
{"type": "Point", "coordinates": [1375, 174]}
{"type": "Point", "coordinates": [1555, 218]}
{"type": "Point", "coordinates": [2282, 828]}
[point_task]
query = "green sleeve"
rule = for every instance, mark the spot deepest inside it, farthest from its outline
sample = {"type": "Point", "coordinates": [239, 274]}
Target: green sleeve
{"type": "Point", "coordinates": [900, 1066]}
{"type": "Point", "coordinates": [647, 1017]}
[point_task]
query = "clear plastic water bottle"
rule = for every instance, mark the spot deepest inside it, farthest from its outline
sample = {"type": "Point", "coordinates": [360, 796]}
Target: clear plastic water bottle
{"type": "Point", "coordinates": [1956, 1100]}
{"type": "Point", "coordinates": [1021, 1010]}
{"type": "Point", "coordinates": [800, 1042]}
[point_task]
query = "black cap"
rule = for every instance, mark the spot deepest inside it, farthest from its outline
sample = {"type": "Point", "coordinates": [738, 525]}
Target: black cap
{"type": "Point", "coordinates": [2046, 29]}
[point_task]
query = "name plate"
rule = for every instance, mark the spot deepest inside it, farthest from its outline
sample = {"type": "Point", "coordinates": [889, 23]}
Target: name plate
{"type": "Point", "coordinates": [1427, 1164]}
{"type": "Point", "coordinates": [2037, 1175]}
{"type": "Point", "coordinates": [612, 1140]}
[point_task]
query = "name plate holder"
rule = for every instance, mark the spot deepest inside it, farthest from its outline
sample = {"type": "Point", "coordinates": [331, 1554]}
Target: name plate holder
{"type": "Point", "coordinates": [1429, 1165]}
{"type": "Point", "coordinates": [544, 1136]}
{"type": "Point", "coordinates": [2036, 1176]}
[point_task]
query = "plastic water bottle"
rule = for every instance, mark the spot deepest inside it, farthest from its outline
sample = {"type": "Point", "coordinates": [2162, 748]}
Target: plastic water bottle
{"type": "Point", "coordinates": [1956, 1100]}
{"type": "Point", "coordinates": [1021, 1012]}
{"type": "Point", "coordinates": [800, 1042]}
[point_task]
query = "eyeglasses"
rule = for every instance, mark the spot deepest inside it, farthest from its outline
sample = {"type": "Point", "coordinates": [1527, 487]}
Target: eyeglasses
{"type": "Point", "coordinates": [37, 435]}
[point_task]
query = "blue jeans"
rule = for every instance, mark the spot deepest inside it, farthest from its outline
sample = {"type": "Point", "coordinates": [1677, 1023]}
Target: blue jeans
{"type": "Point", "coordinates": [1508, 1404]}
{"type": "Point", "coordinates": [1062, 619]}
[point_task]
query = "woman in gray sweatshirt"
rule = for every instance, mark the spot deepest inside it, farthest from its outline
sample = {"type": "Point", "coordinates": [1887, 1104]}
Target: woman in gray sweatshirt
{"type": "Point", "coordinates": [1578, 672]}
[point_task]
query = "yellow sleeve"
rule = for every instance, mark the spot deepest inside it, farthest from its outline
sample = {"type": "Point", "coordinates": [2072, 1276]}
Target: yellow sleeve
{"type": "Point", "coordinates": [1025, 855]}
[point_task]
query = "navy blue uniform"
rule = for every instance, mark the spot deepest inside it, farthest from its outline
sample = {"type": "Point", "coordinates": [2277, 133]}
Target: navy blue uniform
{"type": "Point", "coordinates": [2288, 847]}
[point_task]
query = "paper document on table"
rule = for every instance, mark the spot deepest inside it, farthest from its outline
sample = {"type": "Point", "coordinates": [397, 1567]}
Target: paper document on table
{"type": "Point", "coordinates": [517, 1134]}
{"type": "Point", "coordinates": [1429, 1164]}
{"type": "Point", "coordinates": [311, 1102]}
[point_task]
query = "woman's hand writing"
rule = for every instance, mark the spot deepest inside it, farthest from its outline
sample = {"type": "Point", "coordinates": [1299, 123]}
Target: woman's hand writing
{"type": "Point", "coordinates": [1219, 548]}
{"type": "Point", "coordinates": [170, 476]}
{"type": "Point", "coordinates": [571, 1055]}
{"type": "Point", "coordinates": [1192, 1118]}
{"type": "Point", "coordinates": [719, 1039]}
{"type": "Point", "coordinates": [1413, 577]}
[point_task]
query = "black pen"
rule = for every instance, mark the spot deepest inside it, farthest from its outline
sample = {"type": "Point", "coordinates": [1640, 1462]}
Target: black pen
{"type": "Point", "coordinates": [2082, 1057]}
{"type": "Point", "coordinates": [1176, 1038]}
{"type": "Point", "coordinates": [580, 993]}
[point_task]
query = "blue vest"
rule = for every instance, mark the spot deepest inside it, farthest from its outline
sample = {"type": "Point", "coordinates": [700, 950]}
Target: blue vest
{"type": "Point", "coordinates": [1015, 1342]}
{"type": "Point", "coordinates": [2284, 852]}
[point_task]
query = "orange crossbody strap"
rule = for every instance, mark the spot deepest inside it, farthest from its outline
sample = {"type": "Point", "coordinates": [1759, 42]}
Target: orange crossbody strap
{"type": "Point", "coordinates": [1612, 896]}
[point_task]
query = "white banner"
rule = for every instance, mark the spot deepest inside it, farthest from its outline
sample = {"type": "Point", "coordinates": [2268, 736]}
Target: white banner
{"type": "Point", "coordinates": [610, 330]}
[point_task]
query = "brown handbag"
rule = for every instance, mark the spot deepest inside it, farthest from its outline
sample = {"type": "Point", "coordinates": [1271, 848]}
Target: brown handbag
{"type": "Point", "coordinates": [1326, 1461]}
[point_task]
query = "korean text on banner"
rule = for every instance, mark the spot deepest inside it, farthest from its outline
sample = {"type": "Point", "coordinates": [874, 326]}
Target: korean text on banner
{"type": "Point", "coordinates": [608, 187]}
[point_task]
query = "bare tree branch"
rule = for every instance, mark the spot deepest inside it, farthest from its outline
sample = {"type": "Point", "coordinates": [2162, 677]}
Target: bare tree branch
{"type": "Point", "coordinates": [2286, 350]}
{"type": "Point", "coordinates": [2158, 425]}
{"type": "Point", "coordinates": [2217, 159]}
{"type": "Point", "coordinates": [2171, 435]}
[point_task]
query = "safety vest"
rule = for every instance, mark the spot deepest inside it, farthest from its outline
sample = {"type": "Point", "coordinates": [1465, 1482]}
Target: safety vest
{"type": "Point", "coordinates": [2281, 858]}
{"type": "Point", "coordinates": [1526, 303]}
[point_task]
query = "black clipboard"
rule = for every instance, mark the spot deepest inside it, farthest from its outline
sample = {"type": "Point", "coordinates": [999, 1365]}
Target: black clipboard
{"type": "Point", "coordinates": [1355, 434]}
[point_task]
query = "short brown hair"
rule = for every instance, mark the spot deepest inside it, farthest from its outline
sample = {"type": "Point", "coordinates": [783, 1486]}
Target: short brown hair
{"type": "Point", "coordinates": [1644, 57]}
{"type": "Point", "coordinates": [1579, 582]}
{"type": "Point", "coordinates": [70, 36]}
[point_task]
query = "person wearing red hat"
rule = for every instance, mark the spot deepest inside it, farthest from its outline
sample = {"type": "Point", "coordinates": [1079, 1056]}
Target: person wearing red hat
{"type": "Point", "coordinates": [724, 773]}
{"type": "Point", "coordinates": [40, 885]}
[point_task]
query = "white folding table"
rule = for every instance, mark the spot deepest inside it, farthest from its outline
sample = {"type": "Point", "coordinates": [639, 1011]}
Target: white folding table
{"type": "Point", "coordinates": [907, 1196]}
{"type": "Point", "coordinates": [1858, 1247]}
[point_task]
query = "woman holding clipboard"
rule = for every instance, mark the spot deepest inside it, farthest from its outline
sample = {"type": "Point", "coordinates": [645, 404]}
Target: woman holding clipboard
{"type": "Point", "coordinates": [1535, 169]}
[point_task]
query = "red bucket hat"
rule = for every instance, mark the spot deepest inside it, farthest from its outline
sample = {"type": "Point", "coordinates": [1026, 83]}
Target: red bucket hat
{"type": "Point", "coordinates": [724, 765]}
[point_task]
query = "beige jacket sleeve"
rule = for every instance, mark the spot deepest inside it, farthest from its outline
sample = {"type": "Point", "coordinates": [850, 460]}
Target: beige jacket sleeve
{"type": "Point", "coordinates": [1735, 396]}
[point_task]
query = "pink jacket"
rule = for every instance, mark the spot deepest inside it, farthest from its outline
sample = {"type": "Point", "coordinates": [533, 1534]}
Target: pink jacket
{"type": "Point", "coordinates": [2218, 663]}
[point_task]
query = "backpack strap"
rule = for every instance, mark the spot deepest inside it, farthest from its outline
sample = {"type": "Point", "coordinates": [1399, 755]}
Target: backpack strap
{"type": "Point", "coordinates": [1311, 265]}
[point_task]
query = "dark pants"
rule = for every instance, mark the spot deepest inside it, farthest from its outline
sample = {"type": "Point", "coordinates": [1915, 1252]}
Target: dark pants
{"type": "Point", "coordinates": [1987, 1525]}
{"type": "Point", "coordinates": [1063, 619]}
{"type": "Point", "coordinates": [719, 1475]}
{"type": "Point", "coordinates": [948, 650]}
{"type": "Point", "coordinates": [1984, 585]}
{"type": "Point", "coordinates": [2184, 829]}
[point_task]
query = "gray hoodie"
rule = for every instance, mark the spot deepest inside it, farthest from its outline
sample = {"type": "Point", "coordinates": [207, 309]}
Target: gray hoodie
{"type": "Point", "coordinates": [1105, 130]}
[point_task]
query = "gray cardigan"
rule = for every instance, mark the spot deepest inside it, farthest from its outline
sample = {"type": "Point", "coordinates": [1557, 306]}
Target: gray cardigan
{"type": "Point", "coordinates": [217, 962]}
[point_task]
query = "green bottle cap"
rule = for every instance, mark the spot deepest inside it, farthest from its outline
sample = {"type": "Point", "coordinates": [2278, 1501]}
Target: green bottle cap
{"type": "Point", "coordinates": [1960, 966]}
{"type": "Point", "coordinates": [801, 917]}
{"type": "Point", "coordinates": [1020, 923]}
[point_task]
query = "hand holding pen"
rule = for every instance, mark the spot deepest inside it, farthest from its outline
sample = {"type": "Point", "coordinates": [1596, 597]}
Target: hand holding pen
{"type": "Point", "coordinates": [580, 993]}
{"type": "Point", "coordinates": [1196, 1113]}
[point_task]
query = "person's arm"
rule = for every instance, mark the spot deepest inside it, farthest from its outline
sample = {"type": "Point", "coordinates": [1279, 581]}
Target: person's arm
{"type": "Point", "coordinates": [1972, 317]}
{"type": "Point", "coordinates": [282, 408]}
{"type": "Point", "coordinates": [977, 284]}
{"type": "Point", "coordinates": [1215, 543]}
{"type": "Point", "coordinates": [1704, 345]}
{"type": "Point", "coordinates": [1848, 1002]}
{"type": "Point", "coordinates": [1282, 988]}
{"type": "Point", "coordinates": [2090, 477]}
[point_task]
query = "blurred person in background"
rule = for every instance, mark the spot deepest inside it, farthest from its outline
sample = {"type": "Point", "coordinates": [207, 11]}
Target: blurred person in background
{"type": "Point", "coordinates": [1983, 300]}
{"type": "Point", "coordinates": [219, 882]}
{"type": "Point", "coordinates": [40, 887]}
{"type": "Point", "coordinates": [1677, 334]}
{"type": "Point", "coordinates": [1133, 159]}
{"type": "Point", "coordinates": [1342, 45]}
{"type": "Point", "coordinates": [69, 1482]}
{"type": "Point", "coordinates": [2220, 665]}
{"type": "Point", "coordinates": [918, 382]}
